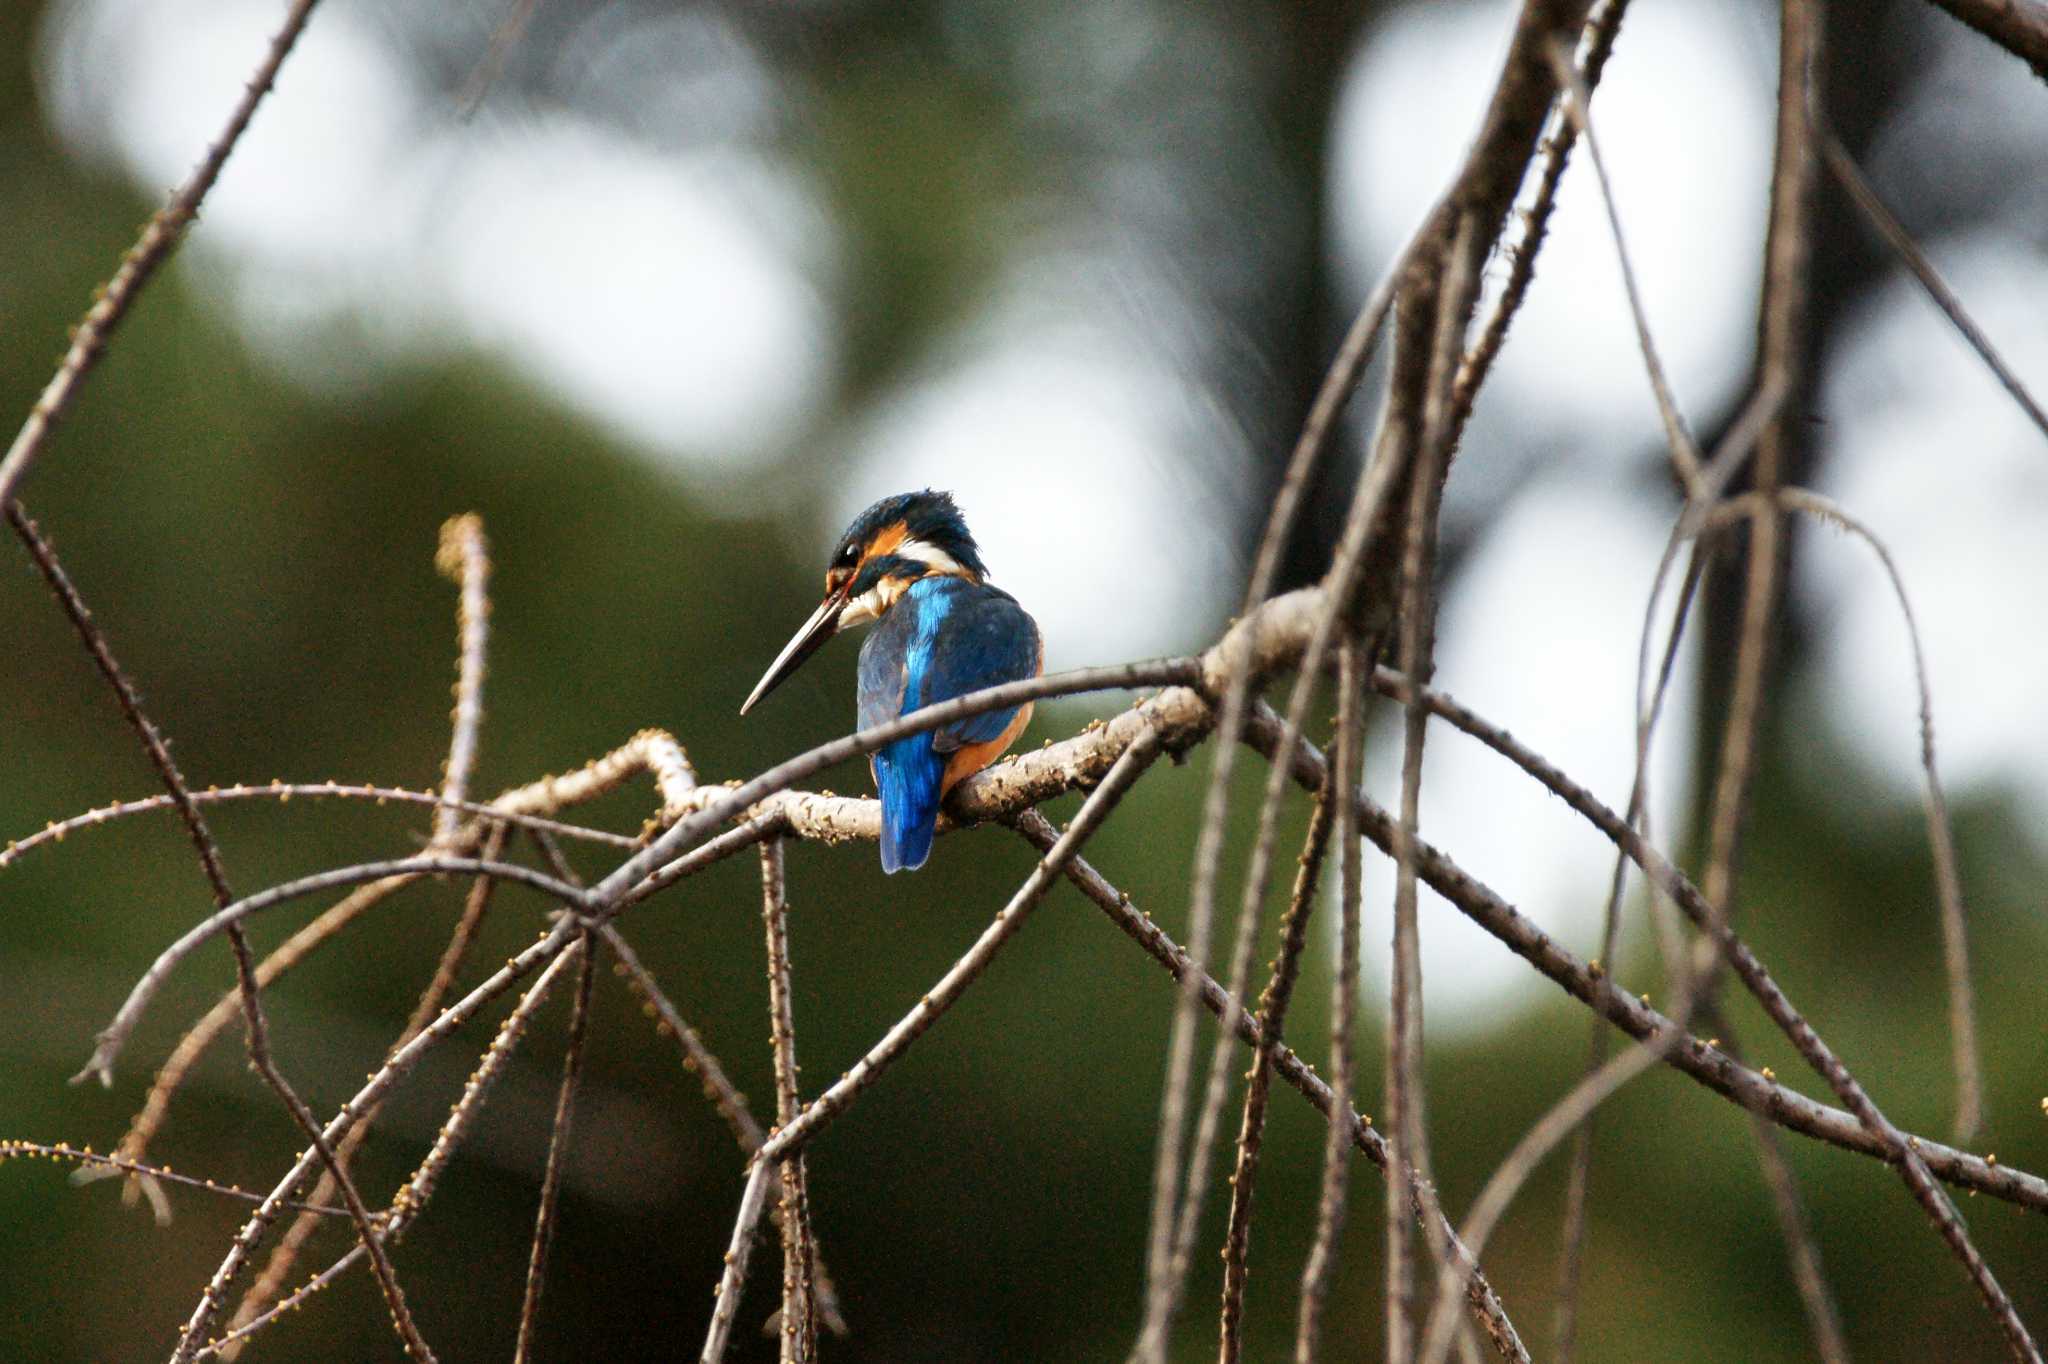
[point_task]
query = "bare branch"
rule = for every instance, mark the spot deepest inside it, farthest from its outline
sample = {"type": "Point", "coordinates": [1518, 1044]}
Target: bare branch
{"type": "Point", "coordinates": [1513, 1172]}
{"type": "Point", "coordinates": [1572, 1237]}
{"type": "Point", "coordinates": [697, 1058]}
{"type": "Point", "coordinates": [558, 1153]}
{"type": "Point", "coordinates": [2018, 26]}
{"type": "Point", "coordinates": [1263, 638]}
{"type": "Point", "coordinates": [548, 949]}
{"type": "Point", "coordinates": [1483, 189]}
{"type": "Point", "coordinates": [160, 236]}
{"type": "Point", "coordinates": [93, 1164]}
{"type": "Point", "coordinates": [1338, 384]}
{"type": "Point", "coordinates": [1406, 1099]}
{"type": "Point", "coordinates": [1597, 41]}
{"type": "Point", "coordinates": [816, 1115]}
{"type": "Point", "coordinates": [1864, 196]}
{"type": "Point", "coordinates": [271, 1282]}
{"type": "Point", "coordinates": [1591, 985]}
{"type": "Point", "coordinates": [155, 1107]}
{"type": "Point", "coordinates": [1140, 928]}
{"type": "Point", "coordinates": [115, 1035]}
{"type": "Point", "coordinates": [285, 792]}
{"type": "Point", "coordinates": [799, 1326]}
{"type": "Point", "coordinates": [1782, 357]}
{"type": "Point", "coordinates": [1273, 1005]}
{"type": "Point", "coordinates": [725, 1097]}
{"type": "Point", "coordinates": [1321, 1265]}
{"type": "Point", "coordinates": [1802, 1250]}
{"type": "Point", "coordinates": [752, 1199]}
{"type": "Point", "coordinates": [413, 1195]}
{"type": "Point", "coordinates": [159, 753]}
{"type": "Point", "coordinates": [464, 557]}
{"type": "Point", "coordinates": [791, 1137]}
{"type": "Point", "coordinates": [1577, 102]}
{"type": "Point", "coordinates": [1948, 882]}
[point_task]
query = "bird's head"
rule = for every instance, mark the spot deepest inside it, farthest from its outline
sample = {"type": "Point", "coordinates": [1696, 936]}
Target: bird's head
{"type": "Point", "coordinates": [887, 548]}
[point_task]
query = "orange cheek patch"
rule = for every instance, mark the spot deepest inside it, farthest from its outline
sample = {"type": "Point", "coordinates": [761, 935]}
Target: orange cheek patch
{"type": "Point", "coordinates": [887, 540]}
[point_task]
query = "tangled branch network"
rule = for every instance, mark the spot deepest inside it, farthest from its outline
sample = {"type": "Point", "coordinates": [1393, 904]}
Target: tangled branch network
{"type": "Point", "coordinates": [1375, 601]}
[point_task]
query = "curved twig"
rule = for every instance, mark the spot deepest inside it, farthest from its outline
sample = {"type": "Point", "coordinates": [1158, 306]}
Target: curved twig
{"type": "Point", "coordinates": [115, 1035]}
{"type": "Point", "coordinates": [285, 792]}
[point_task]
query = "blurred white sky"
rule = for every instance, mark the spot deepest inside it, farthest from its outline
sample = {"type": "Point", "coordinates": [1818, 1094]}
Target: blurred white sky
{"type": "Point", "coordinates": [664, 271]}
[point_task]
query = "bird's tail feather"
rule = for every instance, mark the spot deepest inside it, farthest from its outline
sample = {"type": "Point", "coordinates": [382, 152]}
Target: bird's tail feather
{"type": "Point", "coordinates": [909, 776]}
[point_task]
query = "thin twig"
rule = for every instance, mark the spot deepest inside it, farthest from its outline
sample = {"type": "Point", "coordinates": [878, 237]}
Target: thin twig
{"type": "Point", "coordinates": [1572, 1237]}
{"type": "Point", "coordinates": [698, 1059]}
{"type": "Point", "coordinates": [1577, 102]}
{"type": "Point", "coordinates": [1864, 196]}
{"type": "Point", "coordinates": [752, 1199]}
{"type": "Point", "coordinates": [260, 1057]}
{"type": "Point", "coordinates": [1911, 1155]}
{"type": "Point", "coordinates": [1590, 984]}
{"type": "Point", "coordinates": [91, 1163]}
{"type": "Point", "coordinates": [1406, 1101]}
{"type": "Point", "coordinates": [685, 832]}
{"type": "Point", "coordinates": [413, 1195]}
{"type": "Point", "coordinates": [149, 1120]}
{"type": "Point", "coordinates": [1802, 1250]}
{"type": "Point", "coordinates": [799, 1327]}
{"type": "Point", "coordinates": [1597, 41]}
{"type": "Point", "coordinates": [558, 1153]}
{"type": "Point", "coordinates": [285, 792]}
{"type": "Point", "coordinates": [1513, 1172]}
{"type": "Point", "coordinates": [2018, 26]}
{"type": "Point", "coordinates": [548, 949]}
{"type": "Point", "coordinates": [1163, 1290]}
{"type": "Point", "coordinates": [229, 918]}
{"type": "Point", "coordinates": [277, 1270]}
{"type": "Point", "coordinates": [419, 1187]}
{"type": "Point", "coordinates": [791, 1136]}
{"type": "Point", "coordinates": [1484, 186]}
{"type": "Point", "coordinates": [1141, 929]}
{"type": "Point", "coordinates": [1321, 1265]}
{"type": "Point", "coordinates": [1781, 360]}
{"type": "Point", "coordinates": [1346, 370]}
{"type": "Point", "coordinates": [1948, 882]}
{"type": "Point", "coordinates": [816, 1115]}
{"type": "Point", "coordinates": [1687, 463]}
{"type": "Point", "coordinates": [159, 237]}
{"type": "Point", "coordinates": [723, 1095]}
{"type": "Point", "coordinates": [1556, 1125]}
{"type": "Point", "coordinates": [1273, 1005]}
{"type": "Point", "coordinates": [464, 557]}
{"type": "Point", "coordinates": [548, 952]}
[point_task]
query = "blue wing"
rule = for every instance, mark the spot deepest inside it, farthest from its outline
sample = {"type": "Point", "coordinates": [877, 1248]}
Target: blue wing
{"type": "Point", "coordinates": [988, 640]}
{"type": "Point", "coordinates": [946, 638]}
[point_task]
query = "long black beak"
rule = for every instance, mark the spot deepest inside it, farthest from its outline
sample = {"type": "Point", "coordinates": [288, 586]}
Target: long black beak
{"type": "Point", "coordinates": [820, 627]}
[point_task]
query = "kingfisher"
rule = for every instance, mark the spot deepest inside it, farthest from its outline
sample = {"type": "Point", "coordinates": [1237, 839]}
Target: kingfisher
{"type": "Point", "coordinates": [909, 564]}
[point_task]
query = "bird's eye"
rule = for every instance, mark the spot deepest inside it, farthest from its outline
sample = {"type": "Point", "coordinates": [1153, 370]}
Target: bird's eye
{"type": "Point", "coordinates": [848, 555]}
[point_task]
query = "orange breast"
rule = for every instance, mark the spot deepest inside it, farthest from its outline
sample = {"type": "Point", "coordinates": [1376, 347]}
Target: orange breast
{"type": "Point", "coordinates": [965, 762]}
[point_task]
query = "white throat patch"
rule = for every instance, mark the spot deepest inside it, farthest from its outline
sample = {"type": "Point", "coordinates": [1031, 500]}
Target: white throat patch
{"type": "Point", "coordinates": [931, 556]}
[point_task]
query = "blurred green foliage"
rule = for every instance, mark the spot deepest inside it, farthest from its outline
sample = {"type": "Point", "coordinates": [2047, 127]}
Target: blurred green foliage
{"type": "Point", "coordinates": [261, 559]}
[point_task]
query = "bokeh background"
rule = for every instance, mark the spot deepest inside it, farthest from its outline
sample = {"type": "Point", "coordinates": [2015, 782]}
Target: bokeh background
{"type": "Point", "coordinates": [680, 288]}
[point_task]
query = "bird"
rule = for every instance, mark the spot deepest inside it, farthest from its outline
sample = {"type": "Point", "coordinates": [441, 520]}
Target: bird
{"type": "Point", "coordinates": [909, 564]}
